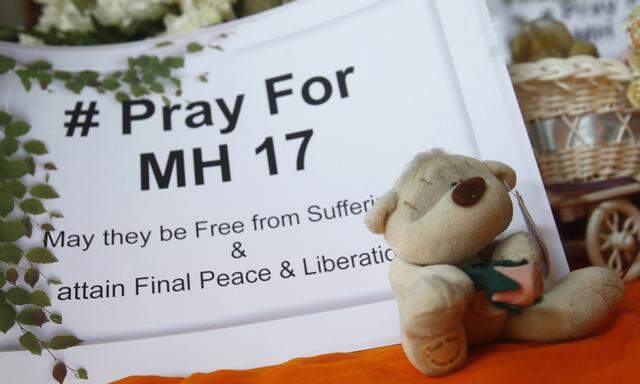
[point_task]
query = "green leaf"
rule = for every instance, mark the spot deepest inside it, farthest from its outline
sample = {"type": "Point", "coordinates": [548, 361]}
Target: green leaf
{"type": "Point", "coordinates": [31, 165]}
{"type": "Point", "coordinates": [44, 79]}
{"type": "Point", "coordinates": [18, 296]}
{"type": "Point", "coordinates": [39, 298]}
{"type": "Point", "coordinates": [62, 75]}
{"type": "Point", "coordinates": [157, 88]}
{"type": "Point", "coordinates": [194, 47]}
{"type": "Point", "coordinates": [82, 374]}
{"type": "Point", "coordinates": [63, 342]}
{"type": "Point", "coordinates": [88, 76]}
{"type": "Point", "coordinates": [10, 253]}
{"type": "Point", "coordinates": [54, 281]}
{"type": "Point", "coordinates": [56, 214]}
{"type": "Point", "coordinates": [59, 372]}
{"type": "Point", "coordinates": [43, 191]}
{"type": "Point", "coordinates": [27, 225]}
{"type": "Point", "coordinates": [7, 317]}
{"type": "Point", "coordinates": [56, 318]}
{"type": "Point", "coordinates": [6, 204]}
{"type": "Point", "coordinates": [121, 96]}
{"type": "Point", "coordinates": [33, 206]}
{"type": "Point", "coordinates": [47, 227]}
{"type": "Point", "coordinates": [174, 62]}
{"type": "Point", "coordinates": [6, 64]}
{"type": "Point", "coordinates": [40, 65]}
{"type": "Point", "coordinates": [166, 101]}
{"type": "Point", "coordinates": [35, 147]}
{"type": "Point", "coordinates": [14, 169]}
{"type": "Point", "coordinates": [24, 74]}
{"type": "Point", "coordinates": [11, 230]}
{"type": "Point", "coordinates": [50, 167]}
{"type": "Point", "coordinates": [8, 33]}
{"type": "Point", "coordinates": [163, 44]}
{"type": "Point", "coordinates": [75, 86]}
{"type": "Point", "coordinates": [16, 189]}
{"type": "Point", "coordinates": [30, 342]}
{"type": "Point", "coordinates": [138, 90]}
{"type": "Point", "coordinates": [204, 78]}
{"type": "Point", "coordinates": [31, 277]}
{"type": "Point", "coordinates": [131, 77]}
{"type": "Point", "coordinates": [149, 77]}
{"type": "Point", "coordinates": [32, 316]}
{"type": "Point", "coordinates": [177, 82]}
{"type": "Point", "coordinates": [12, 275]}
{"type": "Point", "coordinates": [110, 84]}
{"type": "Point", "coordinates": [17, 128]}
{"type": "Point", "coordinates": [8, 145]}
{"type": "Point", "coordinates": [5, 118]}
{"type": "Point", "coordinates": [41, 255]}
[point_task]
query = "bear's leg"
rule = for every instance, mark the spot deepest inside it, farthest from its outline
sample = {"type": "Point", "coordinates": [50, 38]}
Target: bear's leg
{"type": "Point", "coordinates": [438, 354]}
{"type": "Point", "coordinates": [576, 307]}
{"type": "Point", "coordinates": [431, 302]}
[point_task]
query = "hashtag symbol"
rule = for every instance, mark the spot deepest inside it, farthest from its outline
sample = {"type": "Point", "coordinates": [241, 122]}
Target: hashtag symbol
{"type": "Point", "coordinates": [81, 118]}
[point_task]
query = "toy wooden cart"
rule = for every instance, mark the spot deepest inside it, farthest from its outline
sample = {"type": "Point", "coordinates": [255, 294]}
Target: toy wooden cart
{"type": "Point", "coordinates": [586, 137]}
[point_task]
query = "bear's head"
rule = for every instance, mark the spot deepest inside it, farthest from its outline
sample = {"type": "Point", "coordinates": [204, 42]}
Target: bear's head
{"type": "Point", "coordinates": [444, 208]}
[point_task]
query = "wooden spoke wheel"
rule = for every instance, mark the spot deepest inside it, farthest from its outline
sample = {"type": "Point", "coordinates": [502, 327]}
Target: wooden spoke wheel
{"type": "Point", "coordinates": [613, 237]}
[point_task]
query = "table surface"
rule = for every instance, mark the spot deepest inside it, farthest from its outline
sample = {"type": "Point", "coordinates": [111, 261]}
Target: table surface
{"type": "Point", "coordinates": [610, 356]}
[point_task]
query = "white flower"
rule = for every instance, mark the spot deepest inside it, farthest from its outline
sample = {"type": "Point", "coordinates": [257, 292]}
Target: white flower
{"type": "Point", "coordinates": [63, 16]}
{"type": "Point", "coordinates": [26, 39]}
{"type": "Point", "coordinates": [124, 13]}
{"type": "Point", "coordinates": [197, 14]}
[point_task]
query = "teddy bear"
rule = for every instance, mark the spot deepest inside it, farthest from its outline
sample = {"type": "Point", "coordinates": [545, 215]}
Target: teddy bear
{"type": "Point", "coordinates": [442, 219]}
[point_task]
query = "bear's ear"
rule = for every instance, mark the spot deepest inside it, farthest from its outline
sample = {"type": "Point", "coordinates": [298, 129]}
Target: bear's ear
{"type": "Point", "coordinates": [376, 218]}
{"type": "Point", "coordinates": [503, 172]}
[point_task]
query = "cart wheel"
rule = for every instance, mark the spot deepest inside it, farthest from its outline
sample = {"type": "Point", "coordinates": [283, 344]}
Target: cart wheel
{"type": "Point", "coordinates": [613, 237]}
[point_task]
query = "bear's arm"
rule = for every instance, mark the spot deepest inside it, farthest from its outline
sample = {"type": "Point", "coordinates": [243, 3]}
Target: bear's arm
{"type": "Point", "coordinates": [430, 298]}
{"type": "Point", "coordinates": [517, 247]}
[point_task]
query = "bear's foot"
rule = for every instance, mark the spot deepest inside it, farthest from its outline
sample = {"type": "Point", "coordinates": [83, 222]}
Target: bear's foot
{"type": "Point", "coordinates": [576, 307]}
{"type": "Point", "coordinates": [437, 355]}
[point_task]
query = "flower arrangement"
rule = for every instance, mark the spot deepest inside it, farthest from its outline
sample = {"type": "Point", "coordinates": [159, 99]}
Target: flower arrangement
{"type": "Point", "coordinates": [90, 22]}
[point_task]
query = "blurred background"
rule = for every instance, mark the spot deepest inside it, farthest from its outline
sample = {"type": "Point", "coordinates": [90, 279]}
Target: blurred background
{"type": "Point", "coordinates": [599, 21]}
{"type": "Point", "coordinates": [17, 12]}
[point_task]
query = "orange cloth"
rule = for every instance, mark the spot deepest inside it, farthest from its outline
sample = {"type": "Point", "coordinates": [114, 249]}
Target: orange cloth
{"type": "Point", "coordinates": [611, 356]}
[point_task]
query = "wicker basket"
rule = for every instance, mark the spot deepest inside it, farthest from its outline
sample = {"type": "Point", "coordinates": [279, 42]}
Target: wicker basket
{"type": "Point", "coordinates": [581, 125]}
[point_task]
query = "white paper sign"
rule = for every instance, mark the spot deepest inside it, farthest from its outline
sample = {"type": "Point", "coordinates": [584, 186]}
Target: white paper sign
{"type": "Point", "coordinates": [226, 230]}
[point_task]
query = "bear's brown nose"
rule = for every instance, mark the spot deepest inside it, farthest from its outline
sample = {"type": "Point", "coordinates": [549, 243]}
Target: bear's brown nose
{"type": "Point", "coordinates": [469, 191]}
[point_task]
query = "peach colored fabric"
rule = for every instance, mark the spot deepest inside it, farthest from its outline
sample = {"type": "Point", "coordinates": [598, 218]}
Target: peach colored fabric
{"type": "Point", "coordinates": [531, 285]}
{"type": "Point", "coordinates": [611, 356]}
